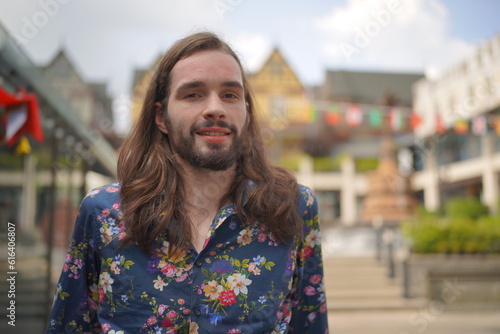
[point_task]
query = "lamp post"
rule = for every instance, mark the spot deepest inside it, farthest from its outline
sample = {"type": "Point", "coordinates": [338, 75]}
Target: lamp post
{"type": "Point", "coordinates": [56, 135]}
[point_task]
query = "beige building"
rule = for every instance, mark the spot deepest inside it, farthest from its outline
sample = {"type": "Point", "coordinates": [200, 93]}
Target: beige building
{"type": "Point", "coordinates": [279, 94]}
{"type": "Point", "coordinates": [282, 105]}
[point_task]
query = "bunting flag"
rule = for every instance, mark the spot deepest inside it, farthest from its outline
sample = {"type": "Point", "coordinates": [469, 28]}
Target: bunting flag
{"type": "Point", "coordinates": [461, 127]}
{"type": "Point", "coordinates": [375, 118]}
{"type": "Point", "coordinates": [22, 116]}
{"type": "Point", "coordinates": [479, 125]}
{"type": "Point", "coordinates": [313, 115]}
{"type": "Point", "coordinates": [496, 125]}
{"type": "Point", "coordinates": [440, 127]}
{"type": "Point", "coordinates": [415, 120]}
{"type": "Point", "coordinates": [354, 115]}
{"type": "Point", "coordinates": [333, 115]}
{"type": "Point", "coordinates": [396, 119]}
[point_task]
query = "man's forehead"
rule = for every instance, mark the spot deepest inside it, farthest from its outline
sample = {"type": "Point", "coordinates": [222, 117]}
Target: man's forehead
{"type": "Point", "coordinates": [205, 65]}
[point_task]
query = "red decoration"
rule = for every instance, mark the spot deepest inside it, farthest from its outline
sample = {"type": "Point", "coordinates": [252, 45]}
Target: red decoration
{"type": "Point", "coordinates": [440, 127]}
{"type": "Point", "coordinates": [22, 116]}
{"type": "Point", "coordinates": [415, 120]}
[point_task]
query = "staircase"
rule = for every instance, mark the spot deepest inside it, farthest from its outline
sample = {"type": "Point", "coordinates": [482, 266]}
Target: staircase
{"type": "Point", "coordinates": [360, 283]}
{"type": "Point", "coordinates": [30, 294]}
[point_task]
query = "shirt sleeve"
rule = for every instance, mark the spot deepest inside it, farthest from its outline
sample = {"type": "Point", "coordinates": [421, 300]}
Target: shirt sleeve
{"type": "Point", "coordinates": [309, 311]}
{"type": "Point", "coordinates": [76, 298]}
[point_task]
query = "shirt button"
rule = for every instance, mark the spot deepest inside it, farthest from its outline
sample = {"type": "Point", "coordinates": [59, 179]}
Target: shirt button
{"type": "Point", "coordinates": [197, 311]}
{"type": "Point", "coordinates": [198, 263]}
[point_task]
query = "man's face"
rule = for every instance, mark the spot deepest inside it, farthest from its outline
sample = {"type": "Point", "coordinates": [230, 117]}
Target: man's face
{"type": "Point", "coordinates": [206, 110]}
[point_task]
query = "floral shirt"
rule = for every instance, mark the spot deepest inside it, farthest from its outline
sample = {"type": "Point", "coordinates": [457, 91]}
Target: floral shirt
{"type": "Point", "coordinates": [242, 281]}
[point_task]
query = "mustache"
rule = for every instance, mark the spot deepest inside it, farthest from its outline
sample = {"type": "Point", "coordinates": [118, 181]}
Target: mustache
{"type": "Point", "coordinates": [210, 123]}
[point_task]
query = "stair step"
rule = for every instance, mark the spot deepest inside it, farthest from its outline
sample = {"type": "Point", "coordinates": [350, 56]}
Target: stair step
{"type": "Point", "coordinates": [376, 304]}
{"type": "Point", "coordinates": [375, 283]}
{"type": "Point", "coordinates": [361, 284]}
{"type": "Point", "coordinates": [31, 326]}
{"type": "Point", "coordinates": [349, 261]}
{"type": "Point", "coordinates": [361, 271]}
{"type": "Point", "coordinates": [363, 293]}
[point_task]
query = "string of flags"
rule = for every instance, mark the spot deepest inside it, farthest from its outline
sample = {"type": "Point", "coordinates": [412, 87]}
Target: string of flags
{"type": "Point", "coordinates": [397, 118]}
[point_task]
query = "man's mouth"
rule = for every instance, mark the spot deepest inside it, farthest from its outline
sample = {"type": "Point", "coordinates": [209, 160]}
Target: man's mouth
{"type": "Point", "coordinates": [214, 134]}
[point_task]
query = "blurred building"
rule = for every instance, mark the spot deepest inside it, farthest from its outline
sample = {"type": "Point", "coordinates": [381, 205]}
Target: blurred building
{"type": "Point", "coordinates": [459, 135]}
{"type": "Point", "coordinates": [89, 100]}
{"type": "Point", "coordinates": [42, 182]}
{"type": "Point", "coordinates": [140, 83]}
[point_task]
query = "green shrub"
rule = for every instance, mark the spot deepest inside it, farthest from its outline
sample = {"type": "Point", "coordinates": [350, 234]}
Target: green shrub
{"type": "Point", "coordinates": [465, 207]}
{"type": "Point", "coordinates": [366, 164]}
{"type": "Point", "coordinates": [326, 164]}
{"type": "Point", "coordinates": [291, 163]}
{"type": "Point", "coordinates": [467, 231]}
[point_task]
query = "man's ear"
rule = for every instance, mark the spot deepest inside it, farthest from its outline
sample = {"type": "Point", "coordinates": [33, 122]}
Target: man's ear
{"type": "Point", "coordinates": [159, 119]}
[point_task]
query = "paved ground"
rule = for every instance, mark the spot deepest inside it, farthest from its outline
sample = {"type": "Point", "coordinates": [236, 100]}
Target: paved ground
{"type": "Point", "coordinates": [425, 321]}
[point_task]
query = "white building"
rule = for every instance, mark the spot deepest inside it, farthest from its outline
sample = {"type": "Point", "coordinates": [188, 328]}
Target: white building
{"type": "Point", "coordinates": [459, 137]}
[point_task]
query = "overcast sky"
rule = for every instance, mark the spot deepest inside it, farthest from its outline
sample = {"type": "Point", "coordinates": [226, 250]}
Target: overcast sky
{"type": "Point", "coordinates": [107, 39]}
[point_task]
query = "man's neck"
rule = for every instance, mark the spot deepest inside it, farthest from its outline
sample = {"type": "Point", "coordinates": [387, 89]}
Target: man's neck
{"type": "Point", "coordinates": [206, 188]}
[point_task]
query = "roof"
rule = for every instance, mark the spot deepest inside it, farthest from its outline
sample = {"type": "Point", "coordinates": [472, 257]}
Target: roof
{"type": "Point", "coordinates": [276, 57]}
{"type": "Point", "coordinates": [369, 87]}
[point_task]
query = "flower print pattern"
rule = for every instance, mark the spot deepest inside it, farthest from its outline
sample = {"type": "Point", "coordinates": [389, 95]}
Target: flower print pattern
{"type": "Point", "coordinates": [242, 275]}
{"type": "Point", "coordinates": [213, 289]}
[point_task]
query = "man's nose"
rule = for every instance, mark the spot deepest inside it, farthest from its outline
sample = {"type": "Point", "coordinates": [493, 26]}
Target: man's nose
{"type": "Point", "coordinates": [214, 108]}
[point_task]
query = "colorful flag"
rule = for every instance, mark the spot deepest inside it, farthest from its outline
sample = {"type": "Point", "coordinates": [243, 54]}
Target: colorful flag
{"type": "Point", "coordinates": [375, 118]}
{"type": "Point", "coordinates": [415, 120]}
{"type": "Point", "coordinates": [479, 125]}
{"type": "Point", "coordinates": [313, 114]}
{"type": "Point", "coordinates": [332, 116]}
{"type": "Point", "coordinates": [354, 115]}
{"type": "Point", "coordinates": [461, 127]}
{"type": "Point", "coordinates": [440, 127]}
{"type": "Point", "coordinates": [396, 119]}
{"type": "Point", "coordinates": [496, 124]}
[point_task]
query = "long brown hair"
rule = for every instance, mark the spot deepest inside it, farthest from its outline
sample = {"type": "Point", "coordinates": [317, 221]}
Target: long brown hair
{"type": "Point", "coordinates": [152, 191]}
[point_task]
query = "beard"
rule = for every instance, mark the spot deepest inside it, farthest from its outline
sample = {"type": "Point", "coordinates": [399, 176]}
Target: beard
{"type": "Point", "coordinates": [215, 157]}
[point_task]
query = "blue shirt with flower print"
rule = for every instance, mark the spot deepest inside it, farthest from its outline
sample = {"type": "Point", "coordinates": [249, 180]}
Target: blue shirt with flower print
{"type": "Point", "coordinates": [242, 281]}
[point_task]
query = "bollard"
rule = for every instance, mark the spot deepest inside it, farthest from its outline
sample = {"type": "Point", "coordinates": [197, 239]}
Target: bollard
{"type": "Point", "coordinates": [377, 224]}
{"type": "Point", "coordinates": [406, 279]}
{"type": "Point", "coordinates": [389, 241]}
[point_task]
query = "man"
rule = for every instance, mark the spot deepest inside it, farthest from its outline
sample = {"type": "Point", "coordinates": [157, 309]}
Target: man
{"type": "Point", "coordinates": [202, 234]}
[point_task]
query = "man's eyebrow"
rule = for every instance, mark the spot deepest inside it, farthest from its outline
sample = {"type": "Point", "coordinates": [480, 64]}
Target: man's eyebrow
{"type": "Point", "coordinates": [198, 84]}
{"type": "Point", "coordinates": [234, 84]}
{"type": "Point", "coordinates": [190, 84]}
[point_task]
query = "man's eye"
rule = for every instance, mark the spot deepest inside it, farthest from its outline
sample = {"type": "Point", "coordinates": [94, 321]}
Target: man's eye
{"type": "Point", "coordinates": [192, 95]}
{"type": "Point", "coordinates": [230, 96]}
